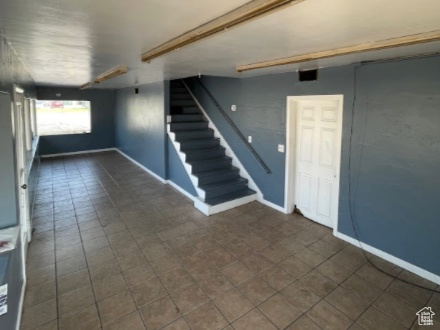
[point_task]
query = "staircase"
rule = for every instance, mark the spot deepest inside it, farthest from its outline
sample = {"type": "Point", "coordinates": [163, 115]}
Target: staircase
{"type": "Point", "coordinates": [217, 182]}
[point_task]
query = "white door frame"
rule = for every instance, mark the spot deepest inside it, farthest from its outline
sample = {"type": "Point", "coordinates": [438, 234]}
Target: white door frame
{"type": "Point", "coordinates": [21, 163]}
{"type": "Point", "coordinates": [290, 192]}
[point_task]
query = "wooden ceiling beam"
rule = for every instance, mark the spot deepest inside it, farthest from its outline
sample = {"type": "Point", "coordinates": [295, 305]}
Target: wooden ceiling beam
{"type": "Point", "coordinates": [365, 47]}
{"type": "Point", "coordinates": [253, 10]}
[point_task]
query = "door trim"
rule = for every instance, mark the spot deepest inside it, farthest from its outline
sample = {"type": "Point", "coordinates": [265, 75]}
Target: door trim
{"type": "Point", "coordinates": [290, 192]}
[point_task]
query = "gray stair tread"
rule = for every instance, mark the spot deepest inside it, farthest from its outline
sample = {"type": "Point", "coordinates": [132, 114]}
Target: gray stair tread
{"type": "Point", "coordinates": [198, 140]}
{"type": "Point", "coordinates": [208, 160]}
{"type": "Point", "coordinates": [229, 197]}
{"type": "Point", "coordinates": [202, 150]}
{"type": "Point", "coordinates": [224, 183]}
{"type": "Point", "coordinates": [188, 122]}
{"type": "Point", "coordinates": [216, 172]}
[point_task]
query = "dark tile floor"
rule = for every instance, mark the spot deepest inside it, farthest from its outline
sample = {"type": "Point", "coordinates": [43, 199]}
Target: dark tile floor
{"type": "Point", "coordinates": [115, 249]}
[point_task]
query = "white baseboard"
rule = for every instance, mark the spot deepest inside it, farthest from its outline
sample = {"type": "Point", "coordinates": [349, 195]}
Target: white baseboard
{"type": "Point", "coordinates": [77, 153]}
{"type": "Point", "coordinates": [388, 257]}
{"type": "Point", "coordinates": [272, 205]}
{"type": "Point", "coordinates": [141, 166]}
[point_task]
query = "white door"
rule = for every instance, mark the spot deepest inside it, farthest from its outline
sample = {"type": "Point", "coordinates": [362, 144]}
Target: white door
{"type": "Point", "coordinates": [318, 149]}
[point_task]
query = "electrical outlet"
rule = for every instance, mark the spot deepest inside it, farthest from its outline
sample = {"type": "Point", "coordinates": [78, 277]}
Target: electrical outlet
{"type": "Point", "coordinates": [233, 107]}
{"type": "Point", "coordinates": [281, 147]}
{"type": "Point", "coordinates": [250, 139]}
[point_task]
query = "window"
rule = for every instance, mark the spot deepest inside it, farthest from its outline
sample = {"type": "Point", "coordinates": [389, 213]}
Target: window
{"type": "Point", "coordinates": [63, 117]}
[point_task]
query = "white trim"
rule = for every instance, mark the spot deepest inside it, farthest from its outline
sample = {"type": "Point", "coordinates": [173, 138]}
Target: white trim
{"type": "Point", "coordinates": [272, 205]}
{"type": "Point", "coordinates": [290, 173]}
{"type": "Point", "coordinates": [210, 210]}
{"type": "Point", "coordinates": [188, 168]}
{"type": "Point", "coordinates": [229, 152]}
{"type": "Point", "coordinates": [141, 166]}
{"type": "Point", "coordinates": [77, 153]}
{"type": "Point", "coordinates": [388, 257]}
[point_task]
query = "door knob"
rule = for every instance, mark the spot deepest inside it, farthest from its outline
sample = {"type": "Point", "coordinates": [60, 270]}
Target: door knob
{"type": "Point", "coordinates": [24, 186]}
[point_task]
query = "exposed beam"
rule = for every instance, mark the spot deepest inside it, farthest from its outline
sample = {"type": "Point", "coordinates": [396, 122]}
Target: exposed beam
{"type": "Point", "coordinates": [86, 85]}
{"type": "Point", "coordinates": [115, 72]}
{"type": "Point", "coordinates": [369, 46]}
{"type": "Point", "coordinates": [250, 11]}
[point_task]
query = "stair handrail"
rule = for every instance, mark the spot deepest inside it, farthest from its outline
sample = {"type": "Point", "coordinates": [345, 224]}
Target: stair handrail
{"type": "Point", "coordinates": [234, 127]}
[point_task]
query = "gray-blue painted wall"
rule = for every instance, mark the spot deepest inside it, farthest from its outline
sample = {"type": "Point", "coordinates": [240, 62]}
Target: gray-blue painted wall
{"type": "Point", "coordinates": [395, 153]}
{"type": "Point", "coordinates": [103, 121]}
{"type": "Point", "coordinates": [396, 160]}
{"type": "Point", "coordinates": [140, 125]}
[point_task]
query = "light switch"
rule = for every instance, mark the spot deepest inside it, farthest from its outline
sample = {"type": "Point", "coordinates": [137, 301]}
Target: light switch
{"type": "Point", "coordinates": [281, 147]}
{"type": "Point", "coordinates": [250, 139]}
{"type": "Point", "coordinates": [233, 107]}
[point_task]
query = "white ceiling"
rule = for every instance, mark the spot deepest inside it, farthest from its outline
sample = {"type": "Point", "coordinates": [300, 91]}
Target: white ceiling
{"type": "Point", "coordinates": [69, 42]}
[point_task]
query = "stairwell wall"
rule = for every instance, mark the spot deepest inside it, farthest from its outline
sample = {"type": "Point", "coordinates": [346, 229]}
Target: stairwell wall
{"type": "Point", "coordinates": [140, 130]}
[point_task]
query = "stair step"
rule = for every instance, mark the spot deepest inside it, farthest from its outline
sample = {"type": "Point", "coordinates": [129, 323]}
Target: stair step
{"type": "Point", "coordinates": [177, 82]}
{"type": "Point", "coordinates": [178, 89]}
{"type": "Point", "coordinates": [224, 187]}
{"type": "Point", "coordinates": [186, 118]}
{"type": "Point", "coordinates": [203, 134]}
{"type": "Point", "coordinates": [190, 110]}
{"type": "Point", "coordinates": [210, 164]}
{"type": "Point", "coordinates": [229, 197]}
{"type": "Point", "coordinates": [218, 175]}
{"type": "Point", "coordinates": [180, 96]}
{"type": "Point", "coordinates": [190, 144]}
{"type": "Point", "coordinates": [182, 103]}
{"type": "Point", "coordinates": [204, 153]}
{"type": "Point", "coordinates": [189, 126]}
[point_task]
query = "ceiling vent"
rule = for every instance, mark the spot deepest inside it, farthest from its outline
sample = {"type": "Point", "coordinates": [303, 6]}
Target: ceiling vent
{"type": "Point", "coordinates": [308, 75]}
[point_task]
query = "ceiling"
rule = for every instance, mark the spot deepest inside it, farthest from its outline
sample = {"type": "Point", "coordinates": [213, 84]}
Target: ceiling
{"type": "Point", "coordinates": [67, 43]}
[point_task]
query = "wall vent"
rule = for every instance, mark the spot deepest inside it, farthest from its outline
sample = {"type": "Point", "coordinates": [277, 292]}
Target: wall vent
{"type": "Point", "coordinates": [308, 75]}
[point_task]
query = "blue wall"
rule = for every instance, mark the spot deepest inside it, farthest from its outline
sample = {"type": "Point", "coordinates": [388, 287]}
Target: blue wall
{"type": "Point", "coordinates": [103, 121]}
{"type": "Point", "coordinates": [140, 125]}
{"type": "Point", "coordinates": [396, 160]}
{"type": "Point", "coordinates": [395, 152]}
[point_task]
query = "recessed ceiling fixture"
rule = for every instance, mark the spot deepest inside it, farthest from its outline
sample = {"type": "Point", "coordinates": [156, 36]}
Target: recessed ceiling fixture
{"type": "Point", "coordinates": [250, 11]}
{"type": "Point", "coordinates": [86, 85]}
{"type": "Point", "coordinates": [111, 74]}
{"type": "Point", "coordinates": [369, 46]}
